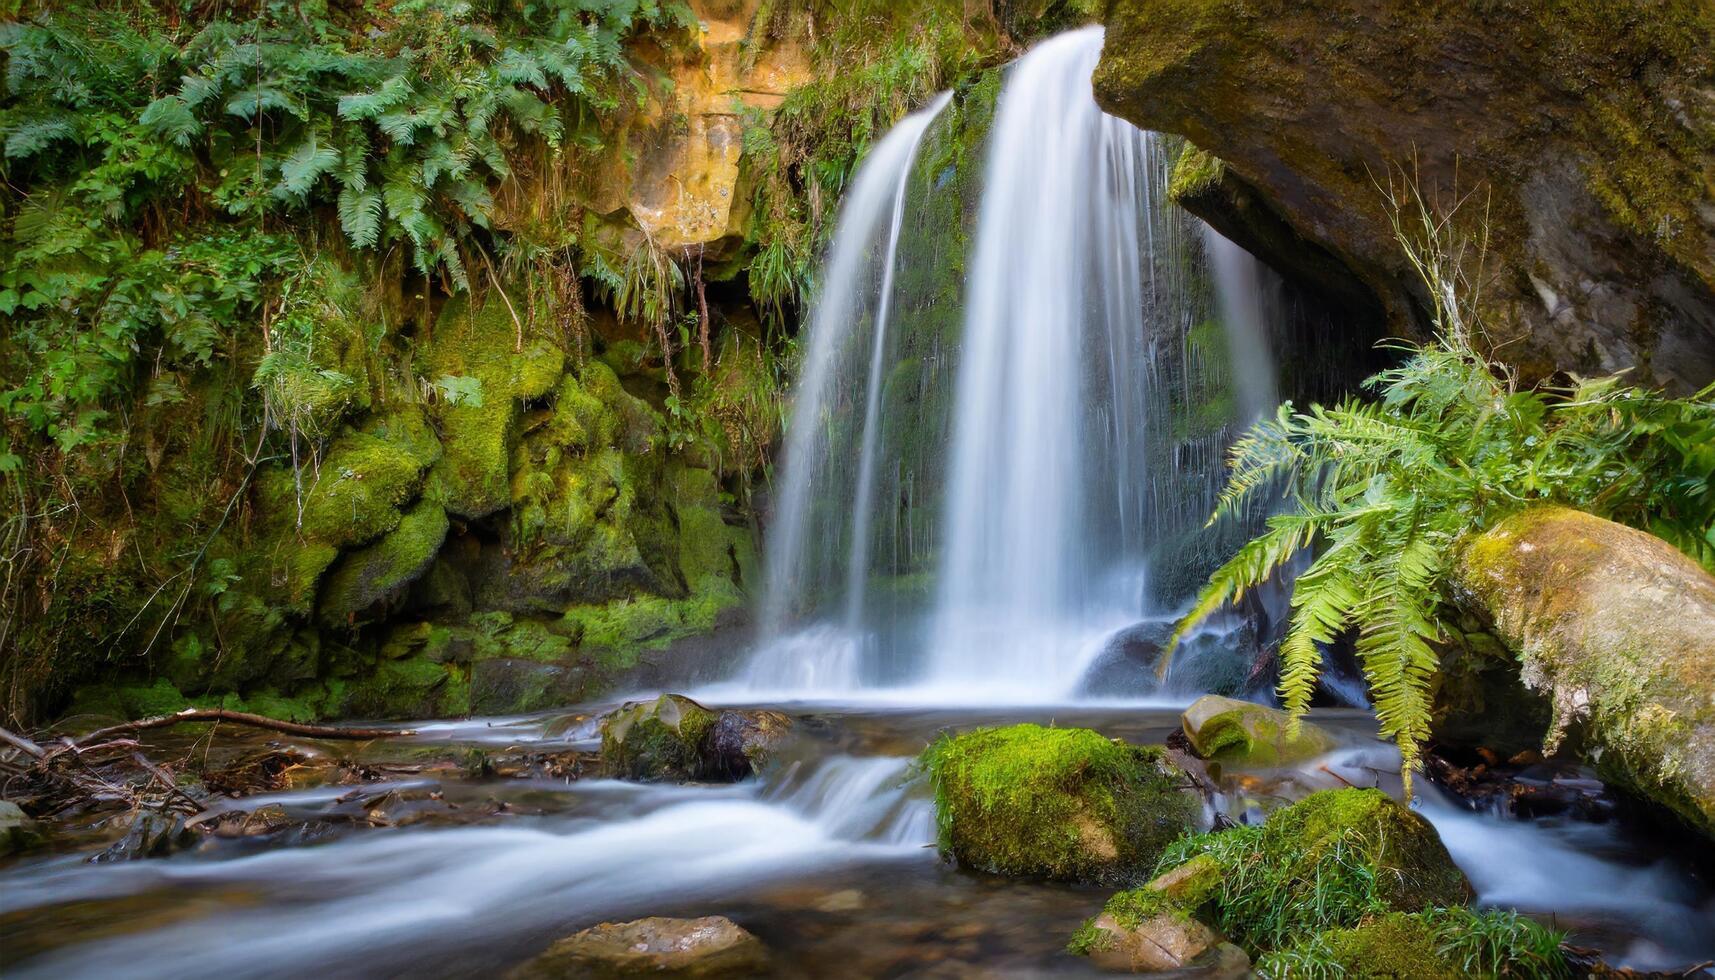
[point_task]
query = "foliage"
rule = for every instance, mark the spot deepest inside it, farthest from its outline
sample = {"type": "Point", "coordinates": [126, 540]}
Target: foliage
{"type": "Point", "coordinates": [1333, 859]}
{"type": "Point", "coordinates": [1451, 942]}
{"type": "Point", "coordinates": [1386, 490]}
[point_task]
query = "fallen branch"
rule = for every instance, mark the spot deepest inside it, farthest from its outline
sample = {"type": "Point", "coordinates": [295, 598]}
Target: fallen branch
{"type": "Point", "coordinates": [242, 718]}
{"type": "Point", "coordinates": [21, 742]}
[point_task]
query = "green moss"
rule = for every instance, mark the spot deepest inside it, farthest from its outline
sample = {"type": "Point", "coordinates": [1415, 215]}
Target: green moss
{"type": "Point", "coordinates": [413, 687]}
{"type": "Point", "coordinates": [1129, 909]}
{"type": "Point", "coordinates": [501, 635]}
{"type": "Point", "coordinates": [1061, 803]}
{"type": "Point", "coordinates": [1194, 173]}
{"type": "Point", "coordinates": [375, 572]}
{"type": "Point", "coordinates": [147, 701]}
{"type": "Point", "coordinates": [1442, 944]}
{"type": "Point", "coordinates": [356, 494]}
{"type": "Point", "coordinates": [1331, 860]}
{"type": "Point", "coordinates": [656, 740]}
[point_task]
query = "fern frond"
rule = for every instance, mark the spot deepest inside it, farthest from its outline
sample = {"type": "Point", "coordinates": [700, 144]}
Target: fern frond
{"type": "Point", "coordinates": [1323, 602]}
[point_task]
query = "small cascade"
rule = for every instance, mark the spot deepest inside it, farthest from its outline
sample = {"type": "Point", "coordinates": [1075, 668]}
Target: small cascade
{"type": "Point", "coordinates": [973, 487]}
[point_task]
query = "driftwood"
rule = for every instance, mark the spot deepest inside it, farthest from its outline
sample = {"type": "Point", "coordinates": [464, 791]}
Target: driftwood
{"type": "Point", "coordinates": [242, 718]}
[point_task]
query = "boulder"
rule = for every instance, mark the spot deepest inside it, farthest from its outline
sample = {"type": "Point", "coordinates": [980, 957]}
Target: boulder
{"type": "Point", "coordinates": [712, 946]}
{"type": "Point", "coordinates": [1329, 861]}
{"type": "Point", "coordinates": [1617, 628]}
{"type": "Point", "coordinates": [1583, 129]}
{"type": "Point", "coordinates": [1240, 733]}
{"type": "Point", "coordinates": [1126, 667]}
{"type": "Point", "coordinates": [1154, 928]}
{"type": "Point", "coordinates": [674, 737]}
{"type": "Point", "coordinates": [1063, 803]}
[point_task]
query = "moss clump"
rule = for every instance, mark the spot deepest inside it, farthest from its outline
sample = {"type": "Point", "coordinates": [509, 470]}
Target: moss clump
{"type": "Point", "coordinates": [414, 687]}
{"type": "Point", "coordinates": [1195, 172]}
{"type": "Point", "coordinates": [1063, 803]}
{"type": "Point", "coordinates": [1331, 860]}
{"type": "Point", "coordinates": [656, 740]}
{"type": "Point", "coordinates": [373, 573]}
{"type": "Point", "coordinates": [1441, 944]}
{"type": "Point", "coordinates": [355, 494]}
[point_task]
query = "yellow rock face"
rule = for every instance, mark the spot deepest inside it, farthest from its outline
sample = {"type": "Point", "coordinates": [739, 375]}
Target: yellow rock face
{"type": "Point", "coordinates": [685, 180]}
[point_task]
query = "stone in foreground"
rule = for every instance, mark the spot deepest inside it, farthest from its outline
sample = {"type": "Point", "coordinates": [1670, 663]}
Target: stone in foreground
{"type": "Point", "coordinates": [712, 946]}
{"type": "Point", "coordinates": [1063, 803]}
{"type": "Point", "coordinates": [1240, 733]}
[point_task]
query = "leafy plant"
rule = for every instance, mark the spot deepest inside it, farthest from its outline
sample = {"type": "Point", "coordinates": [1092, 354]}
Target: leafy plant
{"type": "Point", "coordinates": [1384, 491]}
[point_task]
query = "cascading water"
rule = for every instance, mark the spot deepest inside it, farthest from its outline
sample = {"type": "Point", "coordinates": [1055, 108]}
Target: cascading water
{"type": "Point", "coordinates": [1083, 341]}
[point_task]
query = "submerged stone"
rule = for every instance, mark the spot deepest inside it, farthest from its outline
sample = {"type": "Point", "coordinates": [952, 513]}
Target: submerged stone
{"type": "Point", "coordinates": [1065, 803]}
{"type": "Point", "coordinates": [1241, 733]}
{"type": "Point", "coordinates": [712, 946]}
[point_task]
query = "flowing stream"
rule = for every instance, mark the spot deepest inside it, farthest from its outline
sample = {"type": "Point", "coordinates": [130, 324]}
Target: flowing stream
{"type": "Point", "coordinates": [998, 439]}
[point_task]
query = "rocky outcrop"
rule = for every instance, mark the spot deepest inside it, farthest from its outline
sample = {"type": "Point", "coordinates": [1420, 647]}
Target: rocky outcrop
{"type": "Point", "coordinates": [712, 946]}
{"type": "Point", "coordinates": [1240, 733]}
{"type": "Point", "coordinates": [1617, 628]}
{"type": "Point", "coordinates": [1064, 803]}
{"type": "Point", "coordinates": [1587, 129]}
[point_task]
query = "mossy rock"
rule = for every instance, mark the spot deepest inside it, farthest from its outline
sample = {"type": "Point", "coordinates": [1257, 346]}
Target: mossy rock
{"type": "Point", "coordinates": [675, 738]}
{"type": "Point", "coordinates": [1616, 629]}
{"type": "Point", "coordinates": [384, 569]}
{"type": "Point", "coordinates": [1146, 930]}
{"type": "Point", "coordinates": [1328, 861]}
{"type": "Point", "coordinates": [1064, 803]}
{"type": "Point", "coordinates": [1241, 733]}
{"type": "Point", "coordinates": [356, 494]}
{"type": "Point", "coordinates": [1437, 944]}
{"type": "Point", "coordinates": [17, 831]}
{"type": "Point", "coordinates": [710, 947]}
{"type": "Point", "coordinates": [412, 687]}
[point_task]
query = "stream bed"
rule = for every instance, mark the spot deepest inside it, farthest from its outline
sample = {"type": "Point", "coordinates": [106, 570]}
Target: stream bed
{"type": "Point", "coordinates": [447, 864]}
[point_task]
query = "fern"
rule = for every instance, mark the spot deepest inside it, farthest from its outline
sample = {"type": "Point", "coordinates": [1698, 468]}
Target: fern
{"type": "Point", "coordinates": [1385, 490]}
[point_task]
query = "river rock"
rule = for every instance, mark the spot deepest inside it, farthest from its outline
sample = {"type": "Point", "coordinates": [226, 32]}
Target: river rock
{"type": "Point", "coordinates": [1064, 803]}
{"type": "Point", "coordinates": [1328, 861]}
{"type": "Point", "coordinates": [1154, 928]}
{"type": "Point", "coordinates": [1240, 733]}
{"type": "Point", "coordinates": [1617, 629]}
{"type": "Point", "coordinates": [1127, 665]}
{"type": "Point", "coordinates": [674, 737]}
{"type": "Point", "coordinates": [712, 946]}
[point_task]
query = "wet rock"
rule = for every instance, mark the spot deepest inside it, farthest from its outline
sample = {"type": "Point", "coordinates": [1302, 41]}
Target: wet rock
{"type": "Point", "coordinates": [1143, 931]}
{"type": "Point", "coordinates": [673, 737]}
{"type": "Point", "coordinates": [1241, 733]}
{"type": "Point", "coordinates": [1063, 803]}
{"type": "Point", "coordinates": [712, 946]}
{"type": "Point", "coordinates": [17, 831]}
{"type": "Point", "coordinates": [1127, 664]}
{"type": "Point", "coordinates": [1616, 628]}
{"type": "Point", "coordinates": [153, 833]}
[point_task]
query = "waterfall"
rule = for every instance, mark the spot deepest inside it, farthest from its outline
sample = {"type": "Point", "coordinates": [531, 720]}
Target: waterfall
{"type": "Point", "coordinates": [1009, 464]}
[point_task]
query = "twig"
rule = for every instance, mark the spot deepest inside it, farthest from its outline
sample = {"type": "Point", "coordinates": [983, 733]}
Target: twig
{"type": "Point", "coordinates": [167, 780]}
{"type": "Point", "coordinates": [23, 743]}
{"type": "Point", "coordinates": [243, 718]}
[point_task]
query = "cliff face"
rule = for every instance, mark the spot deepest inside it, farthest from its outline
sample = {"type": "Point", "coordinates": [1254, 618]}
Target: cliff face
{"type": "Point", "coordinates": [1586, 127]}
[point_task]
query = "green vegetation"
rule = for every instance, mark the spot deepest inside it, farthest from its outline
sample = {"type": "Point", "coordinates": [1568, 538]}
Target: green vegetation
{"type": "Point", "coordinates": [1063, 803]}
{"type": "Point", "coordinates": [1331, 860]}
{"type": "Point", "coordinates": [1385, 491]}
{"type": "Point", "coordinates": [1441, 943]}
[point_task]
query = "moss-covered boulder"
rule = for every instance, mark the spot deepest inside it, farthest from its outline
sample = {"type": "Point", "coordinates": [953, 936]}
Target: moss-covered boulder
{"type": "Point", "coordinates": [384, 569]}
{"type": "Point", "coordinates": [675, 738]}
{"type": "Point", "coordinates": [1436, 944]}
{"type": "Point", "coordinates": [1242, 733]}
{"type": "Point", "coordinates": [1065, 803]}
{"type": "Point", "coordinates": [1617, 628]}
{"type": "Point", "coordinates": [1585, 124]}
{"type": "Point", "coordinates": [1331, 860]}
